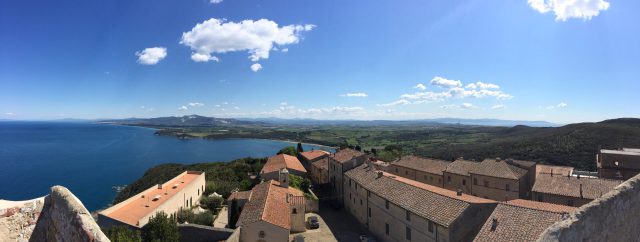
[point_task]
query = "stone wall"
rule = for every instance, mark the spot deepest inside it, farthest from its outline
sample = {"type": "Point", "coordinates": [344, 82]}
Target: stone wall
{"type": "Point", "coordinates": [613, 217]}
{"type": "Point", "coordinates": [201, 233]}
{"type": "Point", "coordinates": [235, 236]}
{"type": "Point", "coordinates": [64, 218]}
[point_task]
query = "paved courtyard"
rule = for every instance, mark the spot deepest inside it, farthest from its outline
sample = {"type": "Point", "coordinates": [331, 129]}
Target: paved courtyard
{"type": "Point", "coordinates": [335, 225]}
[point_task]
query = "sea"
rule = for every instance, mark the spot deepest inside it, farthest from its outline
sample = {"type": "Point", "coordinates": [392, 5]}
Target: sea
{"type": "Point", "coordinates": [93, 159]}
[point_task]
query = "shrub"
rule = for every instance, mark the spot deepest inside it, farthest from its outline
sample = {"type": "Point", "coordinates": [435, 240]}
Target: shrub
{"type": "Point", "coordinates": [121, 233]}
{"type": "Point", "coordinates": [204, 218]}
{"type": "Point", "coordinates": [211, 203]}
{"type": "Point", "coordinates": [289, 150]}
{"type": "Point", "coordinates": [160, 229]}
{"type": "Point", "coordinates": [184, 215]}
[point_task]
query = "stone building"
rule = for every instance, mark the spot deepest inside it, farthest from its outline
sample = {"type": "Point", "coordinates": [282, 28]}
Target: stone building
{"type": "Point", "coordinates": [618, 164]}
{"type": "Point", "coordinates": [521, 220]}
{"type": "Point", "coordinates": [498, 180]}
{"type": "Point", "coordinates": [456, 175]}
{"type": "Point", "coordinates": [278, 162]}
{"type": "Point", "coordinates": [395, 208]}
{"type": "Point", "coordinates": [309, 157]}
{"type": "Point", "coordinates": [270, 211]}
{"type": "Point", "coordinates": [570, 190]}
{"type": "Point", "coordinates": [320, 171]}
{"type": "Point", "coordinates": [183, 191]}
{"type": "Point", "coordinates": [340, 162]}
{"type": "Point", "coordinates": [425, 170]}
{"type": "Point", "coordinates": [555, 170]}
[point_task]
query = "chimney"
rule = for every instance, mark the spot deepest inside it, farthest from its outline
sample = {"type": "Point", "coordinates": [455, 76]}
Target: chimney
{"type": "Point", "coordinates": [159, 186]}
{"type": "Point", "coordinates": [459, 192]}
{"type": "Point", "coordinates": [551, 171]}
{"type": "Point", "coordinates": [283, 177]}
{"type": "Point", "coordinates": [494, 224]}
{"type": "Point", "coordinates": [498, 159]}
{"type": "Point", "coordinates": [581, 191]}
{"type": "Point", "coordinates": [578, 176]}
{"type": "Point", "coordinates": [379, 174]}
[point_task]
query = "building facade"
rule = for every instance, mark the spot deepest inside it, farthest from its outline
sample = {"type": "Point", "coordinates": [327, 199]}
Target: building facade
{"type": "Point", "coordinates": [340, 162]}
{"type": "Point", "coordinates": [456, 175]}
{"type": "Point", "coordinates": [320, 171]}
{"type": "Point", "coordinates": [309, 157]}
{"type": "Point", "coordinates": [271, 169]}
{"type": "Point", "coordinates": [618, 164]}
{"type": "Point", "coordinates": [183, 191]}
{"type": "Point", "coordinates": [570, 190]}
{"type": "Point", "coordinates": [425, 170]}
{"type": "Point", "coordinates": [498, 180]}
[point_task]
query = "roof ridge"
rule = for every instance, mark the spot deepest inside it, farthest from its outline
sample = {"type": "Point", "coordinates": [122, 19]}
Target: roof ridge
{"type": "Point", "coordinates": [415, 183]}
{"type": "Point", "coordinates": [536, 209]}
{"type": "Point", "coordinates": [266, 200]}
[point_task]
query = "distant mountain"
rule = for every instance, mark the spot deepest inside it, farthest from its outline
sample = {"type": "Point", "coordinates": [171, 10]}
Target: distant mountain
{"type": "Point", "coordinates": [187, 120]}
{"type": "Point", "coordinates": [481, 122]}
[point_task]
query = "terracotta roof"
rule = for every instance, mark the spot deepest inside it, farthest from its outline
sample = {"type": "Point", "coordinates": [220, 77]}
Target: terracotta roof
{"type": "Point", "coordinates": [522, 163]}
{"type": "Point", "coordinates": [277, 162]}
{"type": "Point", "coordinates": [268, 203]}
{"type": "Point", "coordinates": [313, 154]}
{"type": "Point", "coordinates": [437, 204]}
{"type": "Point", "coordinates": [592, 188]}
{"type": "Point", "coordinates": [461, 167]}
{"type": "Point", "coordinates": [514, 222]}
{"type": "Point", "coordinates": [429, 165]}
{"type": "Point", "coordinates": [345, 155]}
{"type": "Point", "coordinates": [240, 195]}
{"type": "Point", "coordinates": [499, 168]}
{"type": "Point", "coordinates": [322, 163]}
{"type": "Point", "coordinates": [551, 207]}
{"type": "Point", "coordinates": [557, 170]}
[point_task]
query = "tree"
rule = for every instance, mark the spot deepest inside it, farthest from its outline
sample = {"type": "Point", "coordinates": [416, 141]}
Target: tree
{"type": "Point", "coordinates": [305, 185]}
{"type": "Point", "coordinates": [160, 229]}
{"type": "Point", "coordinates": [121, 233]}
{"type": "Point", "coordinates": [358, 148]}
{"type": "Point", "coordinates": [203, 218]}
{"type": "Point", "coordinates": [289, 150]}
{"type": "Point", "coordinates": [184, 215]}
{"type": "Point", "coordinates": [300, 149]}
{"type": "Point", "coordinates": [211, 203]}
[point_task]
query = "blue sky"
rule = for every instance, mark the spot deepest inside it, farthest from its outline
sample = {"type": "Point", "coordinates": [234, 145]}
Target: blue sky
{"type": "Point", "coordinates": [527, 60]}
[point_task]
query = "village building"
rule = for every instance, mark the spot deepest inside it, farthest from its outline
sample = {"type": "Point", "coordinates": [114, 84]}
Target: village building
{"type": "Point", "coordinates": [618, 164]}
{"type": "Point", "coordinates": [270, 211]}
{"type": "Point", "coordinates": [340, 162]}
{"type": "Point", "coordinates": [521, 220]}
{"type": "Point", "coordinates": [395, 208]}
{"type": "Point", "coordinates": [309, 157]}
{"type": "Point", "coordinates": [555, 170]}
{"type": "Point", "coordinates": [456, 175]}
{"type": "Point", "coordinates": [183, 191]}
{"type": "Point", "coordinates": [275, 163]}
{"type": "Point", "coordinates": [320, 171]}
{"type": "Point", "coordinates": [570, 190]}
{"type": "Point", "coordinates": [498, 180]}
{"type": "Point", "coordinates": [425, 170]}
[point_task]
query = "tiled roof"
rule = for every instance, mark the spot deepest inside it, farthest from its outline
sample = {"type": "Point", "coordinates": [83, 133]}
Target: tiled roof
{"type": "Point", "coordinates": [429, 165]}
{"type": "Point", "coordinates": [240, 195]}
{"type": "Point", "coordinates": [437, 204]}
{"type": "Point", "coordinates": [277, 162]}
{"type": "Point", "coordinates": [557, 170]}
{"type": "Point", "coordinates": [592, 188]}
{"type": "Point", "coordinates": [499, 168]}
{"type": "Point", "coordinates": [268, 203]}
{"type": "Point", "coordinates": [522, 163]}
{"type": "Point", "coordinates": [551, 207]}
{"type": "Point", "coordinates": [322, 163]}
{"type": "Point", "coordinates": [345, 155]}
{"type": "Point", "coordinates": [518, 221]}
{"type": "Point", "coordinates": [313, 154]}
{"type": "Point", "coordinates": [461, 167]}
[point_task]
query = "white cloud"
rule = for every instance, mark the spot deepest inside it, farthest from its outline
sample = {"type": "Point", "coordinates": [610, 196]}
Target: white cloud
{"type": "Point", "coordinates": [196, 104]}
{"type": "Point", "coordinates": [183, 108]}
{"type": "Point", "coordinates": [215, 1]}
{"type": "Point", "coordinates": [461, 106]}
{"type": "Point", "coordinates": [354, 94]}
{"type": "Point", "coordinates": [151, 56]}
{"type": "Point", "coordinates": [562, 105]}
{"type": "Point", "coordinates": [467, 106]}
{"type": "Point", "coordinates": [198, 57]}
{"type": "Point", "coordinates": [498, 106]}
{"type": "Point", "coordinates": [256, 37]}
{"type": "Point", "coordinates": [256, 67]}
{"type": "Point", "coordinates": [285, 50]}
{"type": "Point", "coordinates": [559, 105]}
{"type": "Point", "coordinates": [482, 85]}
{"type": "Point", "coordinates": [283, 104]}
{"type": "Point", "coordinates": [445, 83]}
{"type": "Point", "coordinates": [396, 103]}
{"type": "Point", "coordinates": [10, 114]}
{"type": "Point", "coordinates": [420, 86]}
{"type": "Point", "coordinates": [565, 9]}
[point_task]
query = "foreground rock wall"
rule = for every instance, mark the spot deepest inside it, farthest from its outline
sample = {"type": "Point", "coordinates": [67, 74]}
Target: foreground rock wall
{"type": "Point", "coordinates": [64, 218]}
{"type": "Point", "coordinates": [613, 217]}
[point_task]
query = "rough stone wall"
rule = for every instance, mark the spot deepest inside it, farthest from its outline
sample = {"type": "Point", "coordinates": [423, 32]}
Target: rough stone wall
{"type": "Point", "coordinates": [613, 217]}
{"type": "Point", "coordinates": [201, 233]}
{"type": "Point", "coordinates": [64, 218]}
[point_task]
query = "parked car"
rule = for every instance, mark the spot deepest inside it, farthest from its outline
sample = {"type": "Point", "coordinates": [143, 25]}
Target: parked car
{"type": "Point", "coordinates": [312, 222]}
{"type": "Point", "coordinates": [298, 238]}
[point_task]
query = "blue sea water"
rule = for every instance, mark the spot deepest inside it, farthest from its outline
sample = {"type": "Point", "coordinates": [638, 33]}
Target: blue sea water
{"type": "Point", "coordinates": [90, 158]}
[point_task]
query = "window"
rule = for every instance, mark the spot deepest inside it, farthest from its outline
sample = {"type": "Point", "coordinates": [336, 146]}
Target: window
{"type": "Point", "coordinates": [464, 182]}
{"type": "Point", "coordinates": [295, 211]}
{"type": "Point", "coordinates": [368, 193]}
{"type": "Point", "coordinates": [369, 212]}
{"type": "Point", "coordinates": [430, 178]}
{"type": "Point", "coordinates": [261, 234]}
{"type": "Point", "coordinates": [540, 197]}
{"type": "Point", "coordinates": [386, 204]}
{"type": "Point", "coordinates": [408, 234]}
{"type": "Point", "coordinates": [408, 216]}
{"type": "Point", "coordinates": [349, 183]}
{"type": "Point", "coordinates": [507, 187]}
{"type": "Point", "coordinates": [570, 202]}
{"type": "Point", "coordinates": [386, 229]}
{"type": "Point", "coordinates": [430, 227]}
{"type": "Point", "coordinates": [475, 181]}
{"type": "Point", "coordinates": [397, 170]}
{"type": "Point", "coordinates": [425, 177]}
{"type": "Point", "coordinates": [486, 183]}
{"type": "Point", "coordinates": [406, 173]}
{"type": "Point", "coordinates": [449, 179]}
{"type": "Point", "coordinates": [356, 186]}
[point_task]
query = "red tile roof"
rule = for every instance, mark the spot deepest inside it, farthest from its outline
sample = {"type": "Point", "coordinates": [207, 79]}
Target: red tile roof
{"type": "Point", "coordinates": [313, 154]}
{"type": "Point", "coordinates": [277, 162]}
{"type": "Point", "coordinates": [345, 155]}
{"type": "Point", "coordinates": [433, 166]}
{"type": "Point", "coordinates": [499, 168]}
{"type": "Point", "coordinates": [268, 203]}
{"type": "Point", "coordinates": [322, 164]}
{"type": "Point", "coordinates": [461, 167]}
{"type": "Point", "coordinates": [240, 195]}
{"type": "Point", "coordinates": [551, 207]}
{"type": "Point", "coordinates": [569, 186]}
{"type": "Point", "coordinates": [557, 170]}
